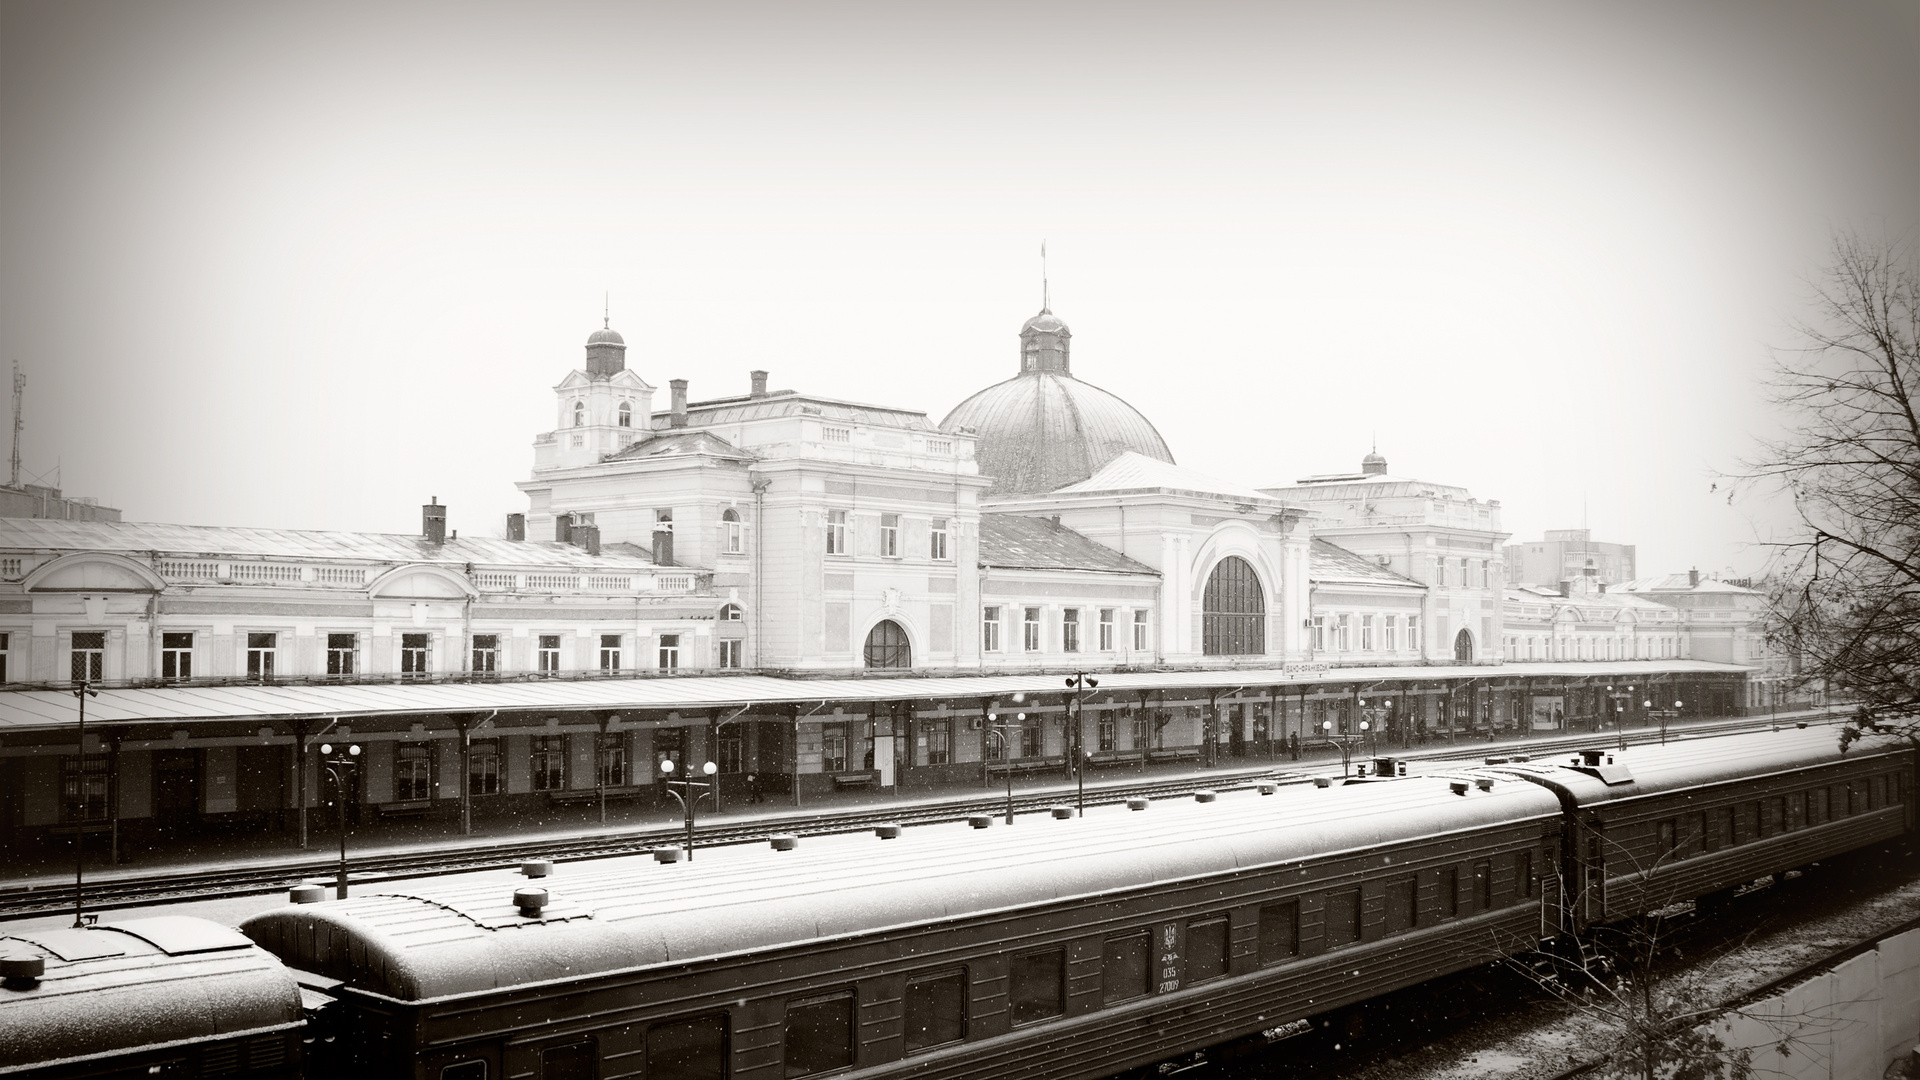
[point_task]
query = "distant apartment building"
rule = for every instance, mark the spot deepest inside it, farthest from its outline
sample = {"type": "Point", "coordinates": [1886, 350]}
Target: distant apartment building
{"type": "Point", "coordinates": [1568, 555]}
{"type": "Point", "coordinates": [41, 501]}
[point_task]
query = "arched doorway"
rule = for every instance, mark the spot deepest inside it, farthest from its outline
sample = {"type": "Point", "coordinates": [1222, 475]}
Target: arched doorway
{"type": "Point", "coordinates": [1463, 647]}
{"type": "Point", "coordinates": [887, 646]}
{"type": "Point", "coordinates": [1233, 611]}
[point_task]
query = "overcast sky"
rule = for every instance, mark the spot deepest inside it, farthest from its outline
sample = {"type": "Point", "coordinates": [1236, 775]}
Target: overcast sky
{"type": "Point", "coordinates": [307, 265]}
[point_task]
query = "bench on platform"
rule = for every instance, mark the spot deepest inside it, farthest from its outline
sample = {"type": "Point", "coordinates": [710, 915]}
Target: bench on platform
{"type": "Point", "coordinates": [592, 795]}
{"type": "Point", "coordinates": [1183, 753]}
{"type": "Point", "coordinates": [845, 780]}
{"type": "Point", "coordinates": [412, 808]}
{"type": "Point", "coordinates": [1024, 766]}
{"type": "Point", "coordinates": [1106, 758]}
{"type": "Point", "coordinates": [75, 828]}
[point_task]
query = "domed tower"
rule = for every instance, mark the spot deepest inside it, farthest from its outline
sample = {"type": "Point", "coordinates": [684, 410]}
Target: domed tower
{"type": "Point", "coordinates": [606, 352]}
{"type": "Point", "coordinates": [1044, 429]}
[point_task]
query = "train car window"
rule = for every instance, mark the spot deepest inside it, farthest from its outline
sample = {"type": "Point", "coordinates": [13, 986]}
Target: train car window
{"type": "Point", "coordinates": [1403, 904]}
{"type": "Point", "coordinates": [1038, 985]}
{"type": "Point", "coordinates": [1343, 918]}
{"type": "Point", "coordinates": [1856, 798]}
{"type": "Point", "coordinates": [1818, 800]}
{"type": "Point", "coordinates": [1450, 891]}
{"type": "Point", "coordinates": [1523, 873]}
{"type": "Point", "coordinates": [1125, 972]}
{"type": "Point", "coordinates": [1483, 886]}
{"type": "Point", "coordinates": [1279, 931]}
{"type": "Point", "coordinates": [1696, 839]}
{"type": "Point", "coordinates": [1721, 834]}
{"type": "Point", "coordinates": [1772, 816]}
{"type": "Point", "coordinates": [1206, 949]}
{"type": "Point", "coordinates": [819, 1033]}
{"type": "Point", "coordinates": [464, 1070]}
{"type": "Point", "coordinates": [1668, 839]}
{"type": "Point", "coordinates": [1837, 802]}
{"type": "Point", "coordinates": [569, 1061]}
{"type": "Point", "coordinates": [694, 1049]}
{"type": "Point", "coordinates": [937, 1009]}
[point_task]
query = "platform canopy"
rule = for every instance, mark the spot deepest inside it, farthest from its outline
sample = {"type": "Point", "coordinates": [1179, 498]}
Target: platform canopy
{"type": "Point", "coordinates": [41, 710]}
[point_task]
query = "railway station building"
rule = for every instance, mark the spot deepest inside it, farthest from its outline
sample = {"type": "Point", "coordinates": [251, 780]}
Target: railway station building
{"type": "Point", "coordinates": [811, 592]}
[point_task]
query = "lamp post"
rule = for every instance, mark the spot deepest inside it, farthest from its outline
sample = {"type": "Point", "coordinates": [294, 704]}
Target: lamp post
{"type": "Point", "coordinates": [1079, 682]}
{"type": "Point", "coordinates": [1376, 716]}
{"type": "Point", "coordinates": [1663, 721]}
{"type": "Point", "coordinates": [1346, 744]}
{"type": "Point", "coordinates": [81, 693]}
{"type": "Point", "coordinates": [999, 734]}
{"type": "Point", "coordinates": [338, 761]}
{"type": "Point", "coordinates": [687, 797]}
{"type": "Point", "coordinates": [1619, 697]}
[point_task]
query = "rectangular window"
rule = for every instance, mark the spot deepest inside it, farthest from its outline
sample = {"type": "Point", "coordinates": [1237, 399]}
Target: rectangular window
{"type": "Point", "coordinates": [412, 773]}
{"type": "Point", "coordinates": [1030, 630]}
{"type": "Point", "coordinates": [89, 656]}
{"type": "Point", "coordinates": [609, 652]}
{"type": "Point", "coordinates": [938, 736]}
{"type": "Point", "coordinates": [1449, 891]}
{"type": "Point", "coordinates": [260, 653]}
{"type": "Point", "coordinates": [1319, 631]}
{"type": "Point", "coordinates": [937, 541]}
{"type": "Point", "coordinates": [341, 652]}
{"type": "Point", "coordinates": [1523, 874]}
{"type": "Point", "coordinates": [5, 643]}
{"type": "Point", "coordinates": [1773, 819]}
{"type": "Point", "coordinates": [1413, 633]}
{"type": "Point", "coordinates": [1667, 839]}
{"type": "Point", "coordinates": [990, 628]}
{"type": "Point", "coordinates": [820, 1034]}
{"type": "Point", "coordinates": [1403, 904]}
{"type": "Point", "coordinates": [731, 756]}
{"type": "Point", "coordinates": [836, 532]}
{"type": "Point", "coordinates": [1483, 886]}
{"type": "Point", "coordinates": [669, 652]}
{"type": "Point", "coordinates": [1343, 633]}
{"type": "Point", "coordinates": [936, 1010]}
{"type": "Point", "coordinates": [1343, 918]}
{"type": "Point", "coordinates": [483, 767]}
{"type": "Point", "coordinates": [730, 652]}
{"type": "Point", "coordinates": [549, 762]}
{"type": "Point", "coordinates": [833, 748]}
{"type": "Point", "coordinates": [693, 1049]}
{"type": "Point", "coordinates": [1206, 949]}
{"type": "Point", "coordinates": [612, 764]}
{"type": "Point", "coordinates": [1141, 732]}
{"type": "Point", "coordinates": [486, 653]}
{"type": "Point", "coordinates": [413, 654]}
{"type": "Point", "coordinates": [83, 787]}
{"type": "Point", "coordinates": [731, 540]}
{"type": "Point", "coordinates": [1139, 631]}
{"type": "Point", "coordinates": [1391, 637]}
{"type": "Point", "coordinates": [1036, 986]}
{"type": "Point", "coordinates": [1125, 970]}
{"type": "Point", "coordinates": [549, 654]}
{"type": "Point", "coordinates": [1817, 806]}
{"type": "Point", "coordinates": [1106, 629]}
{"type": "Point", "coordinates": [1105, 726]}
{"type": "Point", "coordinates": [1279, 931]}
{"type": "Point", "coordinates": [1366, 633]}
{"type": "Point", "coordinates": [176, 656]}
{"type": "Point", "coordinates": [1070, 630]}
{"type": "Point", "coordinates": [570, 1061]}
{"type": "Point", "coordinates": [890, 535]}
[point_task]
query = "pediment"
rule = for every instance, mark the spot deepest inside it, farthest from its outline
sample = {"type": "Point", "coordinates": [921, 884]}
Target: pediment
{"type": "Point", "coordinates": [574, 380]}
{"type": "Point", "coordinates": [93, 571]}
{"type": "Point", "coordinates": [422, 583]}
{"type": "Point", "coordinates": [625, 379]}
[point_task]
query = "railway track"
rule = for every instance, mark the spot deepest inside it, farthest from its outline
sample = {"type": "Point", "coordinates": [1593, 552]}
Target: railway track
{"type": "Point", "coordinates": [19, 901]}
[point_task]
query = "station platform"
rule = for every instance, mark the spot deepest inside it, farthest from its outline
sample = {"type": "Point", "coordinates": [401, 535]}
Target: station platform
{"type": "Point", "coordinates": [54, 864]}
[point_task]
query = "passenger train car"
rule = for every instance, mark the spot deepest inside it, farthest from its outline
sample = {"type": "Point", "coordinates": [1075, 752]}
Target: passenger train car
{"type": "Point", "coordinates": [1076, 948]}
{"type": "Point", "coordinates": [168, 996]}
{"type": "Point", "coordinates": [1056, 948]}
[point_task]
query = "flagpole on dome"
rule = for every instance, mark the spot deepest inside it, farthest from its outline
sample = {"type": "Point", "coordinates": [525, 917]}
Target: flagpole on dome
{"type": "Point", "coordinates": [1046, 303]}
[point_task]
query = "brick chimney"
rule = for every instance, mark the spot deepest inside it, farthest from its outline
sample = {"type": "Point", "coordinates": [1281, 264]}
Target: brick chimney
{"type": "Point", "coordinates": [678, 418]}
{"type": "Point", "coordinates": [433, 522]}
{"type": "Point", "coordinates": [1693, 578]}
{"type": "Point", "coordinates": [759, 383]}
{"type": "Point", "coordinates": [516, 526]}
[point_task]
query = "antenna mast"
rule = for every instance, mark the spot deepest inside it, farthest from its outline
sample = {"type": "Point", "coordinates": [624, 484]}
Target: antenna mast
{"type": "Point", "coordinates": [19, 387]}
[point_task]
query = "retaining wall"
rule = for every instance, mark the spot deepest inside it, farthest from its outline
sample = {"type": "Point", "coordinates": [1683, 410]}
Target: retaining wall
{"type": "Point", "coordinates": [1848, 1023]}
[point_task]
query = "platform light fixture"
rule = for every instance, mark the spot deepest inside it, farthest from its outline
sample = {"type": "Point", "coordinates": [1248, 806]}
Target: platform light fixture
{"type": "Point", "coordinates": [337, 760]}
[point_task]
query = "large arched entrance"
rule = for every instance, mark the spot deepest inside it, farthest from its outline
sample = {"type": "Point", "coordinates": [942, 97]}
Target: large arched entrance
{"type": "Point", "coordinates": [1463, 647]}
{"type": "Point", "coordinates": [887, 646]}
{"type": "Point", "coordinates": [1233, 611]}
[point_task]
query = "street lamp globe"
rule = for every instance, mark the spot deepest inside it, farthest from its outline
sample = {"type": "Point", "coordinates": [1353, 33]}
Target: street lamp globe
{"type": "Point", "coordinates": [709, 768]}
{"type": "Point", "coordinates": [666, 765]}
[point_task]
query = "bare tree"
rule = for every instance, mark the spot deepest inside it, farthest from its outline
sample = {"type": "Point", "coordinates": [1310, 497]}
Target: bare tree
{"type": "Point", "coordinates": [1846, 588]}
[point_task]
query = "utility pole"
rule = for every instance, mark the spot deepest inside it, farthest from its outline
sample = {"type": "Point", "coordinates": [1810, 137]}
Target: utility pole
{"type": "Point", "coordinates": [19, 420]}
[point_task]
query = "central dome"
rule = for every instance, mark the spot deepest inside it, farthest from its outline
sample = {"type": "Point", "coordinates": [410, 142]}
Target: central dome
{"type": "Point", "coordinates": [1044, 429]}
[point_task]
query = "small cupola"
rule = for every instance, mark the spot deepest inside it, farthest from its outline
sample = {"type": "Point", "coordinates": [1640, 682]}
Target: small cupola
{"type": "Point", "coordinates": [1373, 464]}
{"type": "Point", "coordinates": [1045, 345]}
{"type": "Point", "coordinates": [606, 352]}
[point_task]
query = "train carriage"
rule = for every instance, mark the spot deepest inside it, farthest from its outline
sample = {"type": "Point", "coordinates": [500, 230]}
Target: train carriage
{"type": "Point", "coordinates": [1054, 949]}
{"type": "Point", "coordinates": [166, 996]}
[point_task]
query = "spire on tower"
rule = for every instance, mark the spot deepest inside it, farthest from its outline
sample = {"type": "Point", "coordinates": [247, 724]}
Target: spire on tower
{"type": "Point", "coordinates": [606, 313]}
{"type": "Point", "coordinates": [1045, 302]}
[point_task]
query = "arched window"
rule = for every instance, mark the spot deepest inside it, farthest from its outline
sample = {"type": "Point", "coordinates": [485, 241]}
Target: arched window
{"type": "Point", "coordinates": [626, 414]}
{"type": "Point", "coordinates": [730, 613]}
{"type": "Point", "coordinates": [1463, 647]}
{"type": "Point", "coordinates": [887, 646]}
{"type": "Point", "coordinates": [1233, 611]}
{"type": "Point", "coordinates": [730, 538]}
{"type": "Point", "coordinates": [579, 414]}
